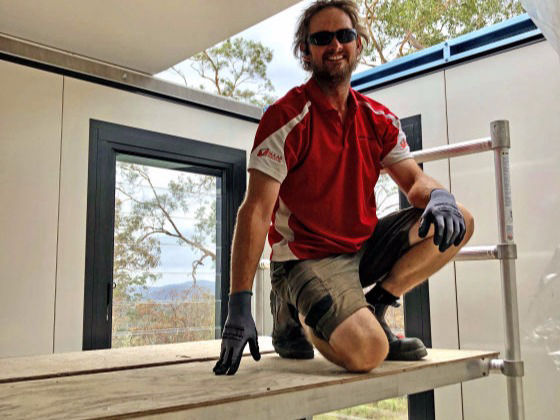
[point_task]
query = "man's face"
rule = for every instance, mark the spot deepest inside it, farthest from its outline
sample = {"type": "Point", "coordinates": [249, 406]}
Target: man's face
{"type": "Point", "coordinates": [335, 62]}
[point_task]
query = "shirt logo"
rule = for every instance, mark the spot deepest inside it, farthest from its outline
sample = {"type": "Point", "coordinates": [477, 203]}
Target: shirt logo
{"type": "Point", "coordinates": [267, 153]}
{"type": "Point", "coordinates": [403, 144]}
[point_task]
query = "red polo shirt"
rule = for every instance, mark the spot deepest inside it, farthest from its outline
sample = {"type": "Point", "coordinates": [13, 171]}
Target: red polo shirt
{"type": "Point", "coordinates": [327, 169]}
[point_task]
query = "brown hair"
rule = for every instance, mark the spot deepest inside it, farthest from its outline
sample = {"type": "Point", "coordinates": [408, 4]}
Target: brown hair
{"type": "Point", "coordinates": [302, 31]}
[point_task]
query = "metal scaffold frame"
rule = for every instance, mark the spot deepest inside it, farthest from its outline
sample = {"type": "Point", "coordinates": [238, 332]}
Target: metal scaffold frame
{"type": "Point", "coordinates": [505, 251]}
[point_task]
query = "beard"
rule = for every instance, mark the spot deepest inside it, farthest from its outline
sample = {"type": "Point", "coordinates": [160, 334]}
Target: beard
{"type": "Point", "coordinates": [334, 76]}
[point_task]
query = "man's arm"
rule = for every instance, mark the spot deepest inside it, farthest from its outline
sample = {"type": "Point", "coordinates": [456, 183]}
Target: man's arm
{"type": "Point", "coordinates": [253, 221]}
{"type": "Point", "coordinates": [413, 182]}
{"type": "Point", "coordinates": [440, 207]}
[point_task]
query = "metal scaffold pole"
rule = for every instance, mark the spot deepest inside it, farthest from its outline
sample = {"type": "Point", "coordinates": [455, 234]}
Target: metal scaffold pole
{"type": "Point", "coordinates": [512, 365]}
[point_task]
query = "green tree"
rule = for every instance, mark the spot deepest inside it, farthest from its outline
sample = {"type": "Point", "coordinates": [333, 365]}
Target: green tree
{"type": "Point", "coordinates": [400, 27]}
{"type": "Point", "coordinates": [236, 68]}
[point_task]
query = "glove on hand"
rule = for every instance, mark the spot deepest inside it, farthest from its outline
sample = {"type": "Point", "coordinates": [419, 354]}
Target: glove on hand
{"type": "Point", "coordinates": [239, 329]}
{"type": "Point", "coordinates": [448, 221]}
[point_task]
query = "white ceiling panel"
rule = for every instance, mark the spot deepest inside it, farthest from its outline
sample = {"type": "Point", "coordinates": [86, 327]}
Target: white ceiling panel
{"type": "Point", "coordinates": [144, 35]}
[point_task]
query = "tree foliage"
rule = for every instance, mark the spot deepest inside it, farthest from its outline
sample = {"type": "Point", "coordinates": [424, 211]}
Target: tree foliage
{"type": "Point", "coordinates": [144, 214]}
{"type": "Point", "coordinates": [400, 27]}
{"type": "Point", "coordinates": [133, 259]}
{"type": "Point", "coordinates": [185, 316]}
{"type": "Point", "coordinates": [152, 214]}
{"type": "Point", "coordinates": [236, 68]}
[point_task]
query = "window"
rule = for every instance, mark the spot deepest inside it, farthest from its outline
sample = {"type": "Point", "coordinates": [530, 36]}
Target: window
{"type": "Point", "coordinates": [161, 211]}
{"type": "Point", "coordinates": [165, 247]}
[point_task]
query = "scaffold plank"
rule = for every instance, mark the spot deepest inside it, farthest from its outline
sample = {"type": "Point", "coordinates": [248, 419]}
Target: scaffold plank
{"type": "Point", "coordinates": [269, 389]}
{"type": "Point", "coordinates": [16, 369]}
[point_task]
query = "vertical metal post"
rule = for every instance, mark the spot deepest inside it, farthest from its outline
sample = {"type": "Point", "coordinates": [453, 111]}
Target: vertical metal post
{"type": "Point", "coordinates": [258, 305]}
{"type": "Point", "coordinates": [501, 144]}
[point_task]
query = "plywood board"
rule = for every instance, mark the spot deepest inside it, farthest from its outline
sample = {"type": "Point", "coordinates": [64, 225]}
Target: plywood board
{"type": "Point", "coordinates": [79, 363]}
{"type": "Point", "coordinates": [268, 389]}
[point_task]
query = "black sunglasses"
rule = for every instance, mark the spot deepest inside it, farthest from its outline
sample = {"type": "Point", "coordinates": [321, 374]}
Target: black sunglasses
{"type": "Point", "coordinates": [323, 38]}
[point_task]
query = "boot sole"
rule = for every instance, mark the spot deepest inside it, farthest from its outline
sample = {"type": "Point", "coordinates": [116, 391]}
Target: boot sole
{"type": "Point", "coordinates": [410, 355]}
{"type": "Point", "coordinates": [295, 354]}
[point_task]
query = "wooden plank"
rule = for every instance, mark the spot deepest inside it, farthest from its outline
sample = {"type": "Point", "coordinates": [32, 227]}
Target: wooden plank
{"type": "Point", "coordinates": [268, 389]}
{"type": "Point", "coordinates": [79, 363]}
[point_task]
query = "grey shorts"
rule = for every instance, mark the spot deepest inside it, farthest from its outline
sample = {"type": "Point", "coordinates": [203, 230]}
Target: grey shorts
{"type": "Point", "coordinates": [326, 291]}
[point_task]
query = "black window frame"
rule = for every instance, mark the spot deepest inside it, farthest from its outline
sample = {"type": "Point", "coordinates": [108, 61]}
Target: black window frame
{"type": "Point", "coordinates": [417, 301]}
{"type": "Point", "coordinates": [106, 141]}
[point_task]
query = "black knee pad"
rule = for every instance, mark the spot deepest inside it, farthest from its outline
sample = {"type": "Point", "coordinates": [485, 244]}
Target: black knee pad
{"type": "Point", "coordinates": [317, 311]}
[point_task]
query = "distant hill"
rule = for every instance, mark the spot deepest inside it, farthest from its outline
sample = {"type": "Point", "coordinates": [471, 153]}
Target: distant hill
{"type": "Point", "coordinates": [162, 293]}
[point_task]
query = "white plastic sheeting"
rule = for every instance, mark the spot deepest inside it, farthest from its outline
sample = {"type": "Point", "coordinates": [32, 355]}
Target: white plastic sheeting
{"type": "Point", "coordinates": [546, 15]}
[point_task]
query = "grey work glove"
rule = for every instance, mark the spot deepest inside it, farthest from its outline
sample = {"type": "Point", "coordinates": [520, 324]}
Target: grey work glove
{"type": "Point", "coordinates": [239, 328]}
{"type": "Point", "coordinates": [448, 221]}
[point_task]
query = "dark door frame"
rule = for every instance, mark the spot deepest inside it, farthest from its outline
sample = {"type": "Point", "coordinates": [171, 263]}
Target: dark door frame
{"type": "Point", "coordinates": [417, 301]}
{"type": "Point", "coordinates": [106, 141]}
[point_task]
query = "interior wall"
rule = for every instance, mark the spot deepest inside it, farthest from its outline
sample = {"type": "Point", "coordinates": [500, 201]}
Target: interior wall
{"type": "Point", "coordinates": [30, 121]}
{"type": "Point", "coordinates": [522, 86]}
{"type": "Point", "coordinates": [44, 168]}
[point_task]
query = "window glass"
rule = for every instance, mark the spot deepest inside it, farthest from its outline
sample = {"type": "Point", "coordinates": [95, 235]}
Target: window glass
{"type": "Point", "coordinates": [164, 253]}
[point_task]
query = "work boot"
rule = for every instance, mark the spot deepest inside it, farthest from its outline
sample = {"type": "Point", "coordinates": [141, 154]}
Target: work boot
{"type": "Point", "coordinates": [288, 337]}
{"type": "Point", "coordinates": [399, 348]}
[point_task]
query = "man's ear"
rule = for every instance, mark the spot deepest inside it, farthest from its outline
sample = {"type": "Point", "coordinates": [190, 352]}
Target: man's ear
{"type": "Point", "coordinates": [304, 48]}
{"type": "Point", "coordinates": [359, 44]}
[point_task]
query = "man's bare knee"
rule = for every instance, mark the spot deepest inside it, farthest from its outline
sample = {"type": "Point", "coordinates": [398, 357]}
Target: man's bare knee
{"type": "Point", "coordinates": [360, 342]}
{"type": "Point", "coordinates": [368, 356]}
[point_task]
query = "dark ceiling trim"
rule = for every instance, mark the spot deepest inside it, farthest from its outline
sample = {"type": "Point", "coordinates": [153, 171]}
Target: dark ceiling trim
{"type": "Point", "coordinates": [55, 61]}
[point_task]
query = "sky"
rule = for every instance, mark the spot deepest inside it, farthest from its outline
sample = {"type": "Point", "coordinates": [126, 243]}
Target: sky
{"type": "Point", "coordinates": [276, 33]}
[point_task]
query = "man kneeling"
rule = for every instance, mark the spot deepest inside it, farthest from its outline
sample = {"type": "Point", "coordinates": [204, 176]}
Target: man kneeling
{"type": "Point", "coordinates": [317, 155]}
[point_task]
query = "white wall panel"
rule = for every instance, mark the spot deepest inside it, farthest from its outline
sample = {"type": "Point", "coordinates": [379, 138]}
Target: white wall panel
{"type": "Point", "coordinates": [84, 101]}
{"type": "Point", "coordinates": [523, 86]}
{"type": "Point", "coordinates": [426, 96]}
{"type": "Point", "coordinates": [30, 120]}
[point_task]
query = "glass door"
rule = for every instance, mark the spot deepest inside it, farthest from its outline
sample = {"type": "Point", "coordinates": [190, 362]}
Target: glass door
{"type": "Point", "coordinates": [165, 247]}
